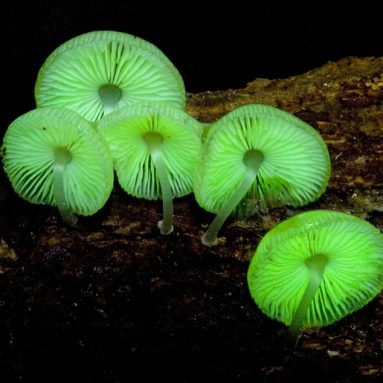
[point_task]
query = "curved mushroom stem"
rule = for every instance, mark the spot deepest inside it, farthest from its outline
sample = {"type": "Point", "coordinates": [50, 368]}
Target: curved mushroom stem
{"type": "Point", "coordinates": [62, 159]}
{"type": "Point", "coordinates": [316, 266]}
{"type": "Point", "coordinates": [154, 140]}
{"type": "Point", "coordinates": [110, 95]}
{"type": "Point", "coordinates": [253, 160]}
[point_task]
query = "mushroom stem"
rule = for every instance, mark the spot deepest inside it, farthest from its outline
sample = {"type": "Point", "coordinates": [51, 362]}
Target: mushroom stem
{"type": "Point", "coordinates": [315, 266]}
{"type": "Point", "coordinates": [62, 159]}
{"type": "Point", "coordinates": [110, 95]}
{"type": "Point", "coordinates": [154, 141]}
{"type": "Point", "coordinates": [253, 160]}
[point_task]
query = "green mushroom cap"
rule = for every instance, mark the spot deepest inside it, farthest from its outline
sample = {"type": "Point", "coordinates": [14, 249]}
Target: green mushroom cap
{"type": "Point", "coordinates": [101, 71]}
{"type": "Point", "coordinates": [155, 148]}
{"type": "Point", "coordinates": [317, 267]}
{"type": "Point", "coordinates": [46, 142]}
{"type": "Point", "coordinates": [295, 166]}
{"type": "Point", "coordinates": [128, 132]}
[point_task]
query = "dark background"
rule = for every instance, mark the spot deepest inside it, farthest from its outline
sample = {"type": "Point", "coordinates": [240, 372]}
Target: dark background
{"type": "Point", "coordinates": [214, 46]}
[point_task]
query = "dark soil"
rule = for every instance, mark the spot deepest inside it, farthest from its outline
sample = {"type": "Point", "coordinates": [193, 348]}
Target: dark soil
{"type": "Point", "coordinates": [114, 301]}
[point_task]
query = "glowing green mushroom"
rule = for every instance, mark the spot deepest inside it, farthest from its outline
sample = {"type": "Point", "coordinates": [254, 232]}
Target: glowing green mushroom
{"type": "Point", "coordinates": [53, 156]}
{"type": "Point", "coordinates": [155, 148]}
{"type": "Point", "coordinates": [263, 154]}
{"type": "Point", "coordinates": [315, 268]}
{"type": "Point", "coordinates": [98, 72]}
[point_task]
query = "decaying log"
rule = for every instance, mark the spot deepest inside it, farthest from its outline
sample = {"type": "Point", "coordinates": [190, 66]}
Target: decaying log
{"type": "Point", "coordinates": [168, 304]}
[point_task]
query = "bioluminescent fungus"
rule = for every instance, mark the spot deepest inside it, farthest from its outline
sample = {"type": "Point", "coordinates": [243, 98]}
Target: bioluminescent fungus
{"type": "Point", "coordinates": [315, 268]}
{"type": "Point", "coordinates": [54, 156]}
{"type": "Point", "coordinates": [98, 72]}
{"type": "Point", "coordinates": [155, 148]}
{"type": "Point", "coordinates": [260, 153]}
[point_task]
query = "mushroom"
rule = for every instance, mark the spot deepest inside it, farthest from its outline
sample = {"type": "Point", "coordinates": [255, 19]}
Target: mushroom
{"type": "Point", "coordinates": [53, 156]}
{"type": "Point", "coordinates": [100, 71]}
{"type": "Point", "coordinates": [263, 154]}
{"type": "Point", "coordinates": [315, 268]}
{"type": "Point", "coordinates": [155, 148]}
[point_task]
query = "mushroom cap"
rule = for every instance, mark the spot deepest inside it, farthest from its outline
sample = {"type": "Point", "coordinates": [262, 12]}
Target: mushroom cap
{"type": "Point", "coordinates": [278, 275]}
{"type": "Point", "coordinates": [124, 130]}
{"type": "Point", "coordinates": [74, 72]}
{"type": "Point", "coordinates": [295, 169]}
{"type": "Point", "coordinates": [29, 154]}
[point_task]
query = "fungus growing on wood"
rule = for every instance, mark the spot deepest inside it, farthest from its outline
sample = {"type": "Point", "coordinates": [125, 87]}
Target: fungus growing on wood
{"type": "Point", "coordinates": [155, 148]}
{"type": "Point", "coordinates": [53, 156]}
{"type": "Point", "coordinates": [259, 153]}
{"type": "Point", "coordinates": [315, 268]}
{"type": "Point", "coordinates": [98, 72]}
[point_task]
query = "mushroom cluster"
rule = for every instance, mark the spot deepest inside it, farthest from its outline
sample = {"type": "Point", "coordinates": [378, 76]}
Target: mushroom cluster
{"type": "Point", "coordinates": [110, 102]}
{"type": "Point", "coordinates": [55, 154]}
